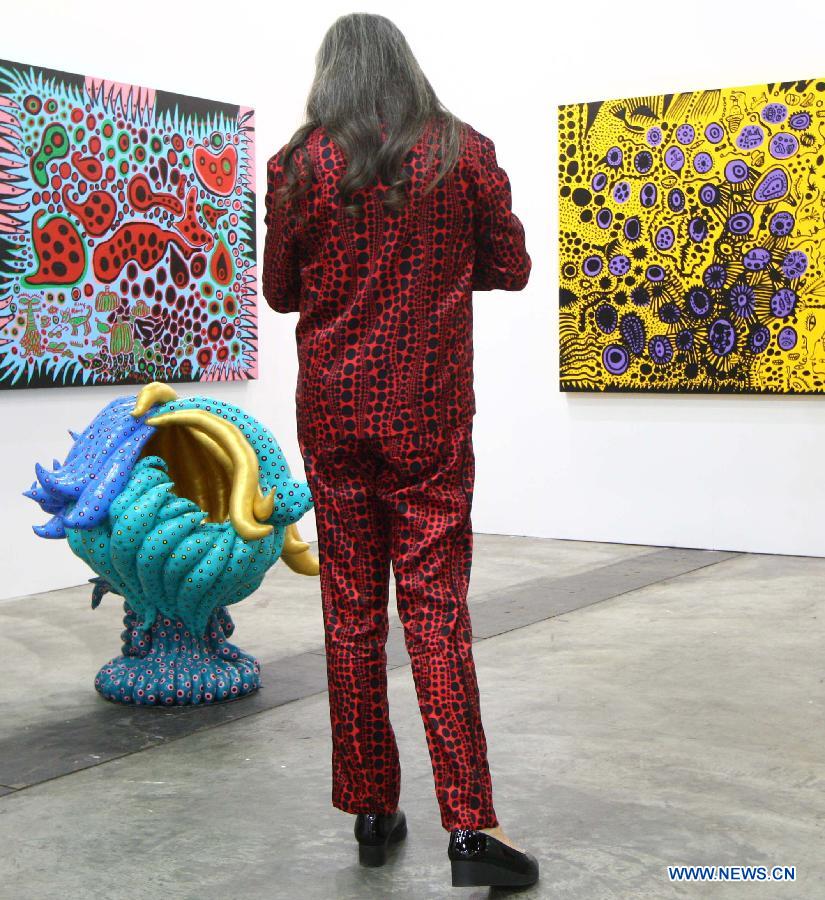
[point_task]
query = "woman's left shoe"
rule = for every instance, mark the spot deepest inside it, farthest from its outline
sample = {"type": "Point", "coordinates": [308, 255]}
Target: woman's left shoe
{"type": "Point", "coordinates": [375, 832]}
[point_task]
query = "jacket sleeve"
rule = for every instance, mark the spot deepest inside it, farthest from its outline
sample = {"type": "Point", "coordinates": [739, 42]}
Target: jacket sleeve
{"type": "Point", "coordinates": [281, 271]}
{"type": "Point", "coordinates": [501, 261]}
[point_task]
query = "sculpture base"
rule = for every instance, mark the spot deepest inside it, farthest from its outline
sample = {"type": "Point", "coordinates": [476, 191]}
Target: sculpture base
{"type": "Point", "coordinates": [169, 666]}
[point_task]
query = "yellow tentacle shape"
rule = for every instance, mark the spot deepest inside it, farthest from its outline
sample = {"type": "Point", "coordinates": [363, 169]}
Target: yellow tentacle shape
{"type": "Point", "coordinates": [213, 447]}
{"type": "Point", "coordinates": [244, 464]}
{"type": "Point", "coordinates": [213, 463]}
{"type": "Point", "coordinates": [264, 505]}
{"type": "Point", "coordinates": [151, 394]}
{"type": "Point", "coordinates": [296, 553]}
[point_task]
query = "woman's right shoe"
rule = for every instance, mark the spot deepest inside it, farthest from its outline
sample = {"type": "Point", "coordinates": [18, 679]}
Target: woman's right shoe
{"type": "Point", "coordinates": [478, 859]}
{"type": "Point", "coordinates": [375, 832]}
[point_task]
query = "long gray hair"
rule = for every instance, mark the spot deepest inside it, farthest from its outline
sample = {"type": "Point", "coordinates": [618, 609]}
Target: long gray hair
{"type": "Point", "coordinates": [366, 75]}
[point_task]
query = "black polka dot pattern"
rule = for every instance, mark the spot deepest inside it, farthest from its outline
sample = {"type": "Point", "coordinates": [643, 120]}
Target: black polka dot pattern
{"type": "Point", "coordinates": [385, 409]}
{"type": "Point", "coordinates": [385, 336]}
{"type": "Point", "coordinates": [405, 499]}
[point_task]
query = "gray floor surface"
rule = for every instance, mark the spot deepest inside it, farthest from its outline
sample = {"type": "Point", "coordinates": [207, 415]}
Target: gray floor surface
{"type": "Point", "coordinates": [643, 707]}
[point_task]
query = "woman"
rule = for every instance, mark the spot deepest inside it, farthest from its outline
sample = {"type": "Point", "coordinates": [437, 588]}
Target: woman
{"type": "Point", "coordinates": [384, 212]}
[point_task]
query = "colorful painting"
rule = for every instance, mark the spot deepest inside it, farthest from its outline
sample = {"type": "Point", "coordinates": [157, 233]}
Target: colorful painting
{"type": "Point", "coordinates": [691, 241]}
{"type": "Point", "coordinates": [127, 234]}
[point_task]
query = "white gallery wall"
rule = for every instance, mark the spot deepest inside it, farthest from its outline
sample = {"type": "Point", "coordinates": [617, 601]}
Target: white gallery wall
{"type": "Point", "coordinates": [727, 472]}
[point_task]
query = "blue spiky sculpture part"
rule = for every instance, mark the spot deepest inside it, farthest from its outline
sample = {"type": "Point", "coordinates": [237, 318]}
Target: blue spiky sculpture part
{"type": "Point", "coordinates": [181, 509]}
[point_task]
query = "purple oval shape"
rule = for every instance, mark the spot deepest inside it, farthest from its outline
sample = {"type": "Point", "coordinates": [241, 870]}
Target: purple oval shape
{"type": "Point", "coordinates": [654, 136]}
{"type": "Point", "coordinates": [756, 259]}
{"type": "Point", "coordinates": [616, 359]}
{"type": "Point", "coordinates": [619, 265]}
{"type": "Point", "coordinates": [660, 349]}
{"type": "Point", "coordinates": [783, 303]}
{"type": "Point", "coordinates": [795, 264]}
{"type": "Point", "coordinates": [685, 134]}
{"type": "Point", "coordinates": [787, 337]}
{"type": "Point", "coordinates": [750, 136]}
{"type": "Point", "coordinates": [676, 199]}
{"type": "Point", "coordinates": [648, 194]}
{"type": "Point", "coordinates": [633, 228]}
{"type": "Point", "coordinates": [607, 319]}
{"type": "Point", "coordinates": [703, 162]}
{"type": "Point", "coordinates": [800, 121]}
{"type": "Point", "coordinates": [781, 224]}
{"type": "Point", "coordinates": [633, 331]}
{"type": "Point", "coordinates": [621, 191]}
{"type": "Point", "coordinates": [674, 158]}
{"type": "Point", "coordinates": [592, 266]}
{"type": "Point", "coordinates": [698, 229]}
{"type": "Point", "coordinates": [715, 276]}
{"type": "Point", "coordinates": [699, 302]}
{"type": "Point", "coordinates": [714, 132]}
{"type": "Point", "coordinates": [736, 171]}
{"type": "Point", "coordinates": [665, 237]}
{"type": "Point", "coordinates": [740, 223]}
{"type": "Point", "coordinates": [721, 337]}
{"type": "Point", "coordinates": [783, 145]}
{"type": "Point", "coordinates": [742, 300]}
{"type": "Point", "coordinates": [669, 313]}
{"type": "Point", "coordinates": [773, 113]}
{"type": "Point", "coordinates": [773, 185]}
{"type": "Point", "coordinates": [759, 339]}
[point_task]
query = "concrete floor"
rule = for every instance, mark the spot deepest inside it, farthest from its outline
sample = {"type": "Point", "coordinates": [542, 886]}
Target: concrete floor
{"type": "Point", "coordinates": [678, 723]}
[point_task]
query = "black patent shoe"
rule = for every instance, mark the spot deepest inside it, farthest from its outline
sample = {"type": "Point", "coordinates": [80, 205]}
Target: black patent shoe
{"type": "Point", "coordinates": [375, 832]}
{"type": "Point", "coordinates": [478, 858]}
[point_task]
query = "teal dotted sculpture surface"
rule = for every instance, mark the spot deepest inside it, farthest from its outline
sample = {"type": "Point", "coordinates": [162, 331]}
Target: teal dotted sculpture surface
{"type": "Point", "coordinates": [181, 506]}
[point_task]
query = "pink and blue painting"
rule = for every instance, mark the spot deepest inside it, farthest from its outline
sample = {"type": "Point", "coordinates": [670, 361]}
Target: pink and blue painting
{"type": "Point", "coordinates": [127, 234]}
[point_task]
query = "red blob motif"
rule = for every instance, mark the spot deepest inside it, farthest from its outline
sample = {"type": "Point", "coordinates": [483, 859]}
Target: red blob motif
{"type": "Point", "coordinates": [142, 197]}
{"type": "Point", "coordinates": [96, 211]}
{"type": "Point", "coordinates": [141, 242]}
{"type": "Point", "coordinates": [221, 264]}
{"type": "Point", "coordinates": [89, 167]}
{"type": "Point", "coordinates": [190, 227]}
{"type": "Point", "coordinates": [217, 171]}
{"type": "Point", "coordinates": [178, 268]}
{"type": "Point", "coordinates": [60, 252]}
{"type": "Point", "coordinates": [212, 214]}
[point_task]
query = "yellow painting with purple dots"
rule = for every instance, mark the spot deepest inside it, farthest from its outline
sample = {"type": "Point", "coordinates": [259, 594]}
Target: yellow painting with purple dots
{"type": "Point", "coordinates": [691, 231]}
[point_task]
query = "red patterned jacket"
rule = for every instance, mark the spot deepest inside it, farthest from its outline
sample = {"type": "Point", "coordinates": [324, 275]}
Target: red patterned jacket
{"type": "Point", "coordinates": [385, 336]}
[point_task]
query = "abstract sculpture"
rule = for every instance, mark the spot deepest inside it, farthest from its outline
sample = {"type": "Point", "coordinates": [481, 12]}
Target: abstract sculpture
{"type": "Point", "coordinates": [181, 506]}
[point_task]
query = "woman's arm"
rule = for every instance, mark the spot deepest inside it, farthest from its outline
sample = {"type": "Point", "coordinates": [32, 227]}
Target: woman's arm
{"type": "Point", "coordinates": [281, 273]}
{"type": "Point", "coordinates": [502, 261]}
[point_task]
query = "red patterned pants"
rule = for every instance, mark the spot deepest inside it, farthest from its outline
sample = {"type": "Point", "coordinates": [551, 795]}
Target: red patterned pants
{"type": "Point", "coordinates": [405, 501]}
